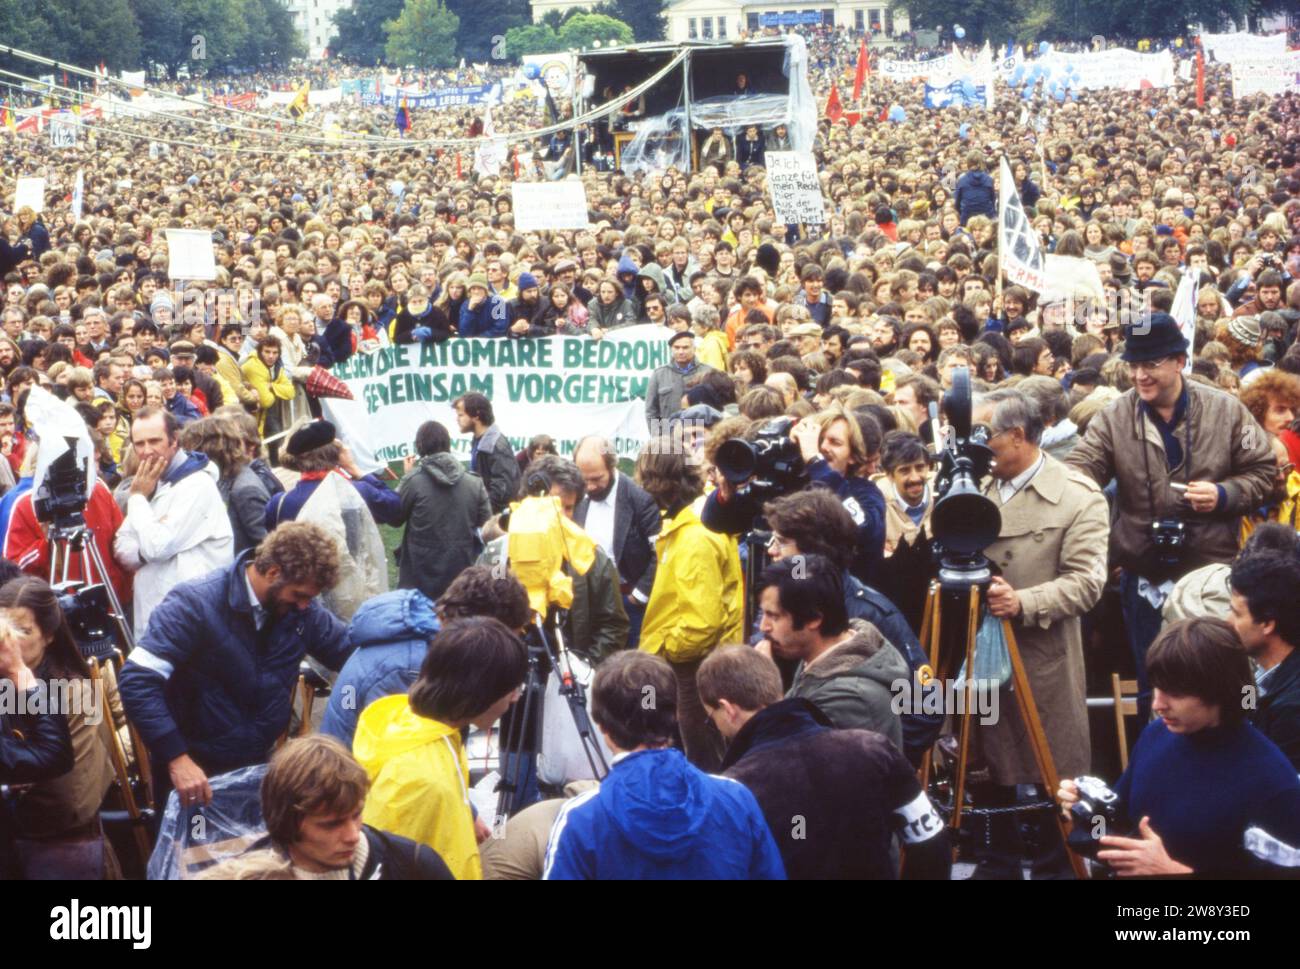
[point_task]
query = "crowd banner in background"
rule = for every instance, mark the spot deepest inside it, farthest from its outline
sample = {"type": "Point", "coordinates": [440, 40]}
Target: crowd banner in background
{"type": "Point", "coordinates": [796, 190]}
{"type": "Point", "coordinates": [1274, 76]}
{"type": "Point", "coordinates": [471, 95]}
{"type": "Point", "coordinates": [1235, 48]}
{"type": "Point", "coordinates": [550, 205]}
{"type": "Point", "coordinates": [567, 387]}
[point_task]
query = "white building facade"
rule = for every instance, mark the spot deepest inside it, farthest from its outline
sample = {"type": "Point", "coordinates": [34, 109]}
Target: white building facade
{"type": "Point", "coordinates": [314, 21]}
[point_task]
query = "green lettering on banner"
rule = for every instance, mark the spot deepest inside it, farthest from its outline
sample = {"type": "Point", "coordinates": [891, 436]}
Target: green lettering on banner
{"type": "Point", "coordinates": [573, 354]}
{"type": "Point", "coordinates": [544, 353]}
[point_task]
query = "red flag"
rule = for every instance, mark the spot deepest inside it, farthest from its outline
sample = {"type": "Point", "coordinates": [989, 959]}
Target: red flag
{"type": "Point", "coordinates": [863, 70]}
{"type": "Point", "coordinates": [834, 110]}
{"type": "Point", "coordinates": [1200, 78]}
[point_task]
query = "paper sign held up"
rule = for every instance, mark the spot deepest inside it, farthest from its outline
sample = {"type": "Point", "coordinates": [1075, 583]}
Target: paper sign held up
{"type": "Point", "coordinates": [30, 191]}
{"type": "Point", "coordinates": [189, 254]}
{"type": "Point", "coordinates": [796, 191]}
{"type": "Point", "coordinates": [550, 205]}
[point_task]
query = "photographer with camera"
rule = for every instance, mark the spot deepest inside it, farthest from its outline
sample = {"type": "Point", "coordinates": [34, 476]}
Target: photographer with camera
{"type": "Point", "coordinates": [1188, 461]}
{"type": "Point", "coordinates": [1200, 774]}
{"type": "Point", "coordinates": [1051, 558]}
{"type": "Point", "coordinates": [1266, 270]}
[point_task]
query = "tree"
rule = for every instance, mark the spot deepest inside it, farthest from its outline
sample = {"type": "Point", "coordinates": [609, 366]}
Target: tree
{"type": "Point", "coordinates": [531, 39]}
{"type": "Point", "coordinates": [582, 30]}
{"type": "Point", "coordinates": [423, 36]}
{"type": "Point", "coordinates": [84, 32]}
{"type": "Point", "coordinates": [360, 37]}
{"type": "Point", "coordinates": [485, 23]}
{"type": "Point", "coordinates": [645, 17]}
{"type": "Point", "coordinates": [992, 20]}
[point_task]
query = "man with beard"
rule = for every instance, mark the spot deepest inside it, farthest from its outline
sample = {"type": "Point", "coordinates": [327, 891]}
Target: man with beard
{"type": "Point", "coordinates": [622, 519]}
{"type": "Point", "coordinates": [209, 685]}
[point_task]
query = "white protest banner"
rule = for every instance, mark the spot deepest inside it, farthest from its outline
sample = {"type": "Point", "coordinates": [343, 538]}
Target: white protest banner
{"type": "Point", "coordinates": [132, 78]}
{"type": "Point", "coordinates": [1071, 278]}
{"type": "Point", "coordinates": [189, 254]}
{"type": "Point", "coordinates": [1233, 48]}
{"type": "Point", "coordinates": [911, 70]}
{"type": "Point", "coordinates": [63, 130]}
{"type": "Point", "coordinates": [78, 194]}
{"type": "Point", "coordinates": [1267, 75]}
{"type": "Point", "coordinates": [30, 191]}
{"type": "Point", "coordinates": [1184, 311]}
{"type": "Point", "coordinates": [550, 205]}
{"type": "Point", "coordinates": [1019, 253]}
{"type": "Point", "coordinates": [567, 387]}
{"type": "Point", "coordinates": [796, 191]}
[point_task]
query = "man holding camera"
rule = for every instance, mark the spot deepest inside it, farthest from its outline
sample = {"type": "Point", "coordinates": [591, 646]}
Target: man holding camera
{"type": "Point", "coordinates": [1188, 461]}
{"type": "Point", "coordinates": [1051, 563]}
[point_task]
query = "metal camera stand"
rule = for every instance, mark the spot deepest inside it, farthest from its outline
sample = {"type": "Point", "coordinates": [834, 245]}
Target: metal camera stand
{"type": "Point", "coordinates": [67, 540]}
{"type": "Point", "coordinates": [522, 742]}
{"type": "Point", "coordinates": [954, 606]}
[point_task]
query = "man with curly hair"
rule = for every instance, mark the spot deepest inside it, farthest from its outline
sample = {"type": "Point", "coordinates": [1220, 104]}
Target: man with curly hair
{"type": "Point", "coordinates": [209, 684]}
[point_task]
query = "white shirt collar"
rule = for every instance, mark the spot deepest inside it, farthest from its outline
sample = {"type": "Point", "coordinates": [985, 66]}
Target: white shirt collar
{"type": "Point", "coordinates": [1009, 489]}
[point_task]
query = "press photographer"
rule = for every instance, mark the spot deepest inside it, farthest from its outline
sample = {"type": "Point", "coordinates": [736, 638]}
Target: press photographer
{"type": "Point", "coordinates": [1188, 460]}
{"type": "Point", "coordinates": [1200, 775]}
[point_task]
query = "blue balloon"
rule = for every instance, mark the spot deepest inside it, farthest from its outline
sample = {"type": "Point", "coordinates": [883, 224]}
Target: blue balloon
{"type": "Point", "coordinates": [897, 114]}
{"type": "Point", "coordinates": [960, 31]}
{"type": "Point", "coordinates": [1059, 94]}
{"type": "Point", "coordinates": [964, 131]}
{"type": "Point", "coordinates": [968, 89]}
{"type": "Point", "coordinates": [1044, 47]}
{"type": "Point", "coordinates": [1027, 93]}
{"type": "Point", "coordinates": [532, 72]}
{"type": "Point", "coordinates": [1018, 75]}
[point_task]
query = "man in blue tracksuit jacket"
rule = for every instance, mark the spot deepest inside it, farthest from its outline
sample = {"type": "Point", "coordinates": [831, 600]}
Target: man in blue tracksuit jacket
{"type": "Point", "coordinates": [655, 816]}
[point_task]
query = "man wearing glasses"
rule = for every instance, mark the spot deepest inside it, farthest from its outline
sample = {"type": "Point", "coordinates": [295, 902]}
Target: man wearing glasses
{"type": "Point", "coordinates": [1188, 461]}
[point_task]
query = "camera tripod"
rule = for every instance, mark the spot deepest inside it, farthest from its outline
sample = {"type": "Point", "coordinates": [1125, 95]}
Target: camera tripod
{"type": "Point", "coordinates": [69, 540]}
{"type": "Point", "coordinates": [521, 743]}
{"type": "Point", "coordinates": [954, 606]}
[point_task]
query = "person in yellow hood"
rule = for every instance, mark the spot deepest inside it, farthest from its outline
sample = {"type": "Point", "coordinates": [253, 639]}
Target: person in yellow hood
{"type": "Point", "coordinates": [410, 744]}
{"type": "Point", "coordinates": [696, 603]}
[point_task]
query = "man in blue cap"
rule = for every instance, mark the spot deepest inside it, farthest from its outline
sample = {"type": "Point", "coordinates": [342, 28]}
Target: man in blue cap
{"type": "Point", "coordinates": [1188, 460]}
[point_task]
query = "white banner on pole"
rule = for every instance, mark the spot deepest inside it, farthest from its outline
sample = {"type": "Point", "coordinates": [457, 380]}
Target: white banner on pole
{"type": "Point", "coordinates": [796, 190]}
{"type": "Point", "coordinates": [189, 254]}
{"type": "Point", "coordinates": [78, 194]}
{"type": "Point", "coordinates": [30, 191]}
{"type": "Point", "coordinates": [1020, 254]}
{"type": "Point", "coordinates": [550, 205]}
{"type": "Point", "coordinates": [63, 130]}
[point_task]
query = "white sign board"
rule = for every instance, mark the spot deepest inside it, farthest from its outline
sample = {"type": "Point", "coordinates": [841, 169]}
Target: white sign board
{"type": "Point", "coordinates": [30, 191]}
{"type": "Point", "coordinates": [1267, 75]}
{"type": "Point", "coordinates": [1234, 48]}
{"type": "Point", "coordinates": [63, 132]}
{"type": "Point", "coordinates": [550, 205]}
{"type": "Point", "coordinates": [796, 191]}
{"type": "Point", "coordinates": [189, 254]}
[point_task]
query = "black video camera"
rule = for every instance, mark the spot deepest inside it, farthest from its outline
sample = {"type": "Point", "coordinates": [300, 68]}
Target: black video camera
{"type": "Point", "coordinates": [767, 467]}
{"type": "Point", "coordinates": [1095, 815]}
{"type": "Point", "coordinates": [964, 521]}
{"type": "Point", "coordinates": [90, 617]}
{"type": "Point", "coordinates": [60, 500]}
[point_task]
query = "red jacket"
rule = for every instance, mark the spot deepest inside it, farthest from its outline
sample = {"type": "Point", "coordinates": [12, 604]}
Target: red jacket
{"type": "Point", "coordinates": [25, 543]}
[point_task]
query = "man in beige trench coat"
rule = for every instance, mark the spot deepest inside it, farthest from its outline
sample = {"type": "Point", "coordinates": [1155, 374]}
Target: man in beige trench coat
{"type": "Point", "coordinates": [1051, 555]}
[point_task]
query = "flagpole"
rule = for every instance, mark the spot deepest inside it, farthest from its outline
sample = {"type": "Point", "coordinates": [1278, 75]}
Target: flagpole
{"type": "Point", "coordinates": [997, 286]}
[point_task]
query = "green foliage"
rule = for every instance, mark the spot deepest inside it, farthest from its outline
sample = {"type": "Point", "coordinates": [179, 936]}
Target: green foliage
{"type": "Point", "coordinates": [483, 25]}
{"type": "Point", "coordinates": [361, 38]}
{"type": "Point", "coordinates": [423, 36]}
{"type": "Point", "coordinates": [645, 17]}
{"type": "Point", "coordinates": [582, 30]}
{"type": "Point", "coordinates": [531, 39]}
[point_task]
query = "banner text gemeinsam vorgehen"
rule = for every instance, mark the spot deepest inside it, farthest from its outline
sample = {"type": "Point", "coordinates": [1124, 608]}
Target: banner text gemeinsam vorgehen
{"type": "Point", "coordinates": [567, 387]}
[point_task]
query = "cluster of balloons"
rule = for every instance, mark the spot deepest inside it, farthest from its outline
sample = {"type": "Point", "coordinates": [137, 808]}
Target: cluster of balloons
{"type": "Point", "coordinates": [1059, 81]}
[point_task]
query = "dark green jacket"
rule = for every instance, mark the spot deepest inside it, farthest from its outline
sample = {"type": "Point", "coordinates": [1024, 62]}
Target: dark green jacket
{"type": "Point", "coordinates": [597, 624]}
{"type": "Point", "coordinates": [443, 506]}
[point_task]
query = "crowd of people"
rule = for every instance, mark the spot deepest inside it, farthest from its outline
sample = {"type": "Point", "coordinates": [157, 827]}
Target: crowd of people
{"type": "Point", "coordinates": [1145, 478]}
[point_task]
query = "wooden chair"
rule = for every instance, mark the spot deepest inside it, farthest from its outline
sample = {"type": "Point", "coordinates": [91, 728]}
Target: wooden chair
{"type": "Point", "coordinates": [1125, 693]}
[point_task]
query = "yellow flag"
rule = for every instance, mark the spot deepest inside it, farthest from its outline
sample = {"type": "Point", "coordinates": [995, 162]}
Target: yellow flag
{"type": "Point", "coordinates": [299, 106]}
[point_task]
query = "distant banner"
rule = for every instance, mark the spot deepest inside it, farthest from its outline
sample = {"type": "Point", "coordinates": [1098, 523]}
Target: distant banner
{"type": "Point", "coordinates": [567, 387]}
{"type": "Point", "coordinates": [912, 70]}
{"type": "Point", "coordinates": [243, 102]}
{"type": "Point", "coordinates": [796, 190]}
{"type": "Point", "coordinates": [550, 205]}
{"type": "Point", "coordinates": [451, 97]}
{"type": "Point", "coordinates": [790, 19]}
{"type": "Point", "coordinates": [1061, 72]}
{"type": "Point", "coordinates": [1267, 75]}
{"type": "Point", "coordinates": [1235, 48]}
{"type": "Point", "coordinates": [356, 85]}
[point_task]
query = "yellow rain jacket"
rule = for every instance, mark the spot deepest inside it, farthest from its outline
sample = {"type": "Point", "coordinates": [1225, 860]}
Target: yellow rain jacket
{"type": "Point", "coordinates": [1287, 512]}
{"type": "Point", "coordinates": [697, 599]}
{"type": "Point", "coordinates": [419, 782]}
{"type": "Point", "coordinates": [712, 350]}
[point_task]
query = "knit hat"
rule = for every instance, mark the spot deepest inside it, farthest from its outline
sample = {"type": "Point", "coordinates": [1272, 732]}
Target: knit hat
{"type": "Point", "coordinates": [162, 300]}
{"type": "Point", "coordinates": [526, 281]}
{"type": "Point", "coordinates": [479, 280]}
{"type": "Point", "coordinates": [1245, 330]}
{"type": "Point", "coordinates": [1159, 335]}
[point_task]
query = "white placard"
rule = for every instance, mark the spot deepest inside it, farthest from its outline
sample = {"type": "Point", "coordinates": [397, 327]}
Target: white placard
{"type": "Point", "coordinates": [79, 194]}
{"type": "Point", "coordinates": [63, 132]}
{"type": "Point", "coordinates": [550, 205]}
{"type": "Point", "coordinates": [1267, 75]}
{"type": "Point", "coordinates": [796, 191]}
{"type": "Point", "coordinates": [189, 254]}
{"type": "Point", "coordinates": [1238, 47]}
{"type": "Point", "coordinates": [30, 191]}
